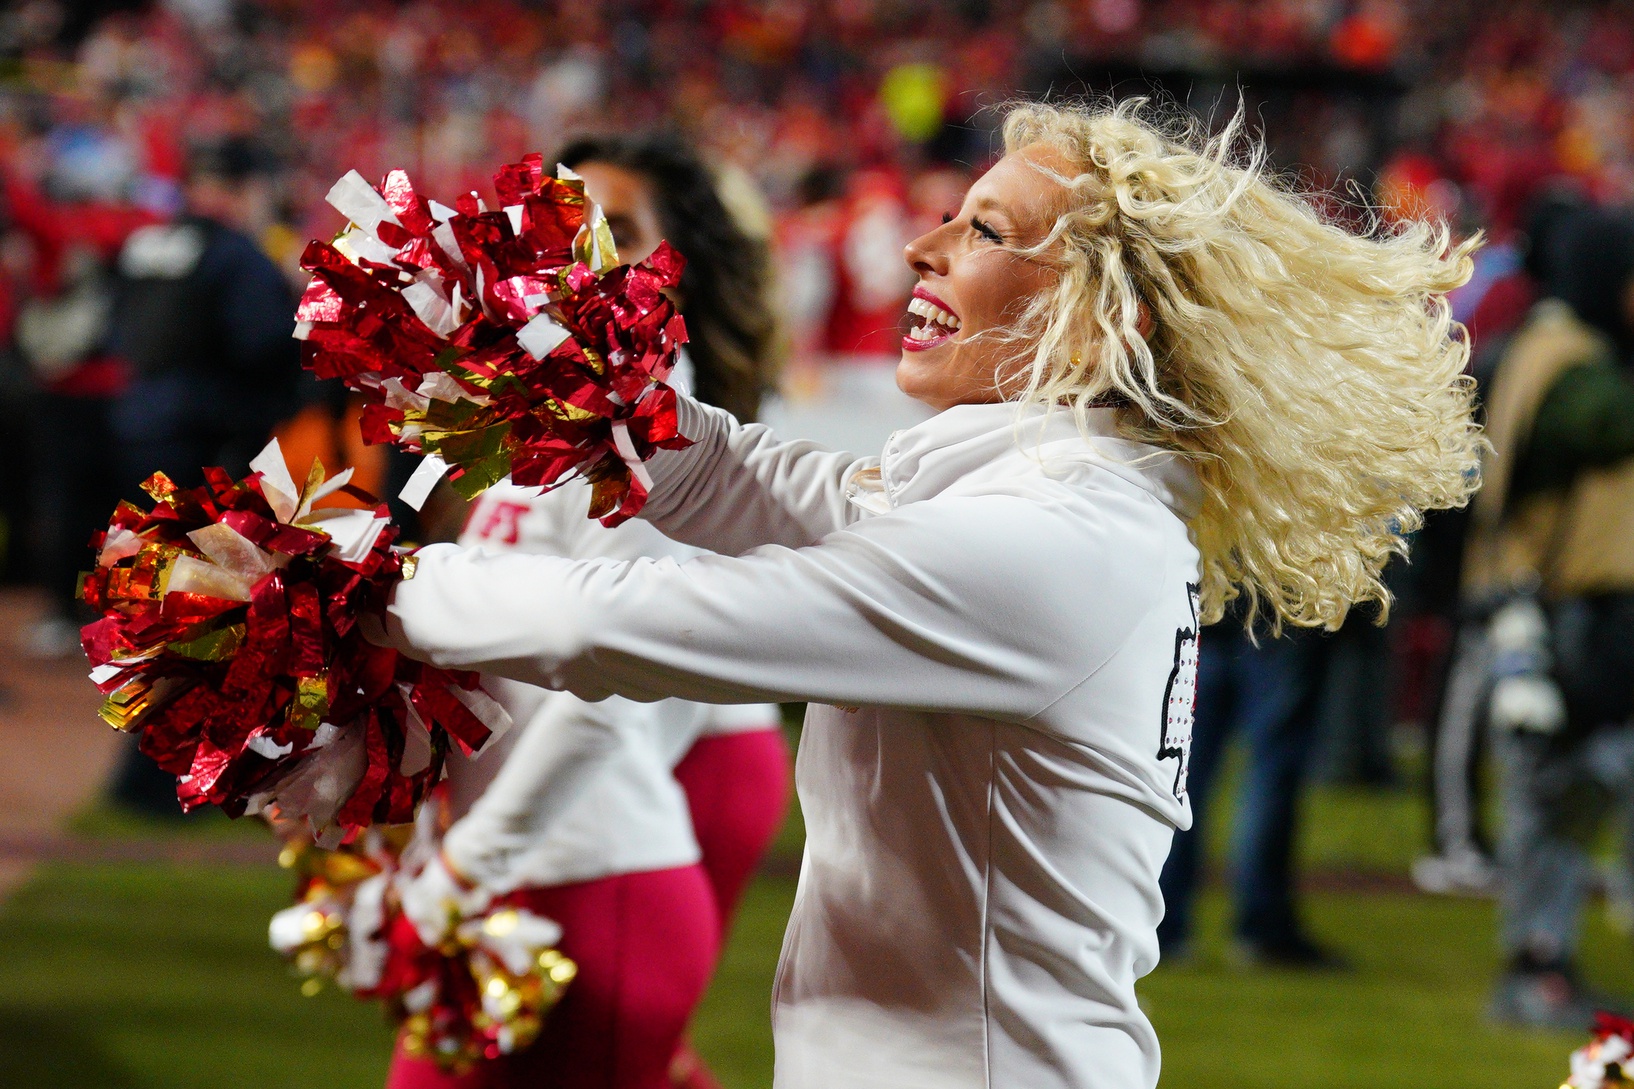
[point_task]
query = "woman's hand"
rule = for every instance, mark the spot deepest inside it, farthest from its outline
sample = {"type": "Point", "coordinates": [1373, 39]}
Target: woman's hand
{"type": "Point", "coordinates": [438, 898]}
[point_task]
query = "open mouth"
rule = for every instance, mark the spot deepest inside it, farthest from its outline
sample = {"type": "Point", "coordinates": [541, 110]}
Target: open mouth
{"type": "Point", "coordinates": [930, 321]}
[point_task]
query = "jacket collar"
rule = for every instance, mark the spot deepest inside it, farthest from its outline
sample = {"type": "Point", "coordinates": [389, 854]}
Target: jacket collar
{"type": "Point", "coordinates": [968, 440]}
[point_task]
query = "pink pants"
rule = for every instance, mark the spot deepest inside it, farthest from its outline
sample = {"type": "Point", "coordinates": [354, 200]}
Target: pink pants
{"type": "Point", "coordinates": [737, 786]}
{"type": "Point", "coordinates": [645, 944]}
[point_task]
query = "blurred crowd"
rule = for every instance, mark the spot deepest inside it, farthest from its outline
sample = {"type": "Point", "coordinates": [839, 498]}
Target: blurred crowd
{"type": "Point", "coordinates": [161, 165]}
{"type": "Point", "coordinates": [856, 119]}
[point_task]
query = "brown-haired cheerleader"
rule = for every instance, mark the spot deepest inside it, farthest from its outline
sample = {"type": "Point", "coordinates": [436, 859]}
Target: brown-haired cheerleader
{"type": "Point", "coordinates": [635, 826]}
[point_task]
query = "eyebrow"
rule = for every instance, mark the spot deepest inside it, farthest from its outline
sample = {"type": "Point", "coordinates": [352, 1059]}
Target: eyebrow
{"type": "Point", "coordinates": [990, 203]}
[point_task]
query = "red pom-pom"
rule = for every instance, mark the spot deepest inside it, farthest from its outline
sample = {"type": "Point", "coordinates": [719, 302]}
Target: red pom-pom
{"type": "Point", "coordinates": [1610, 1024]}
{"type": "Point", "coordinates": [228, 640]}
{"type": "Point", "coordinates": [505, 342]}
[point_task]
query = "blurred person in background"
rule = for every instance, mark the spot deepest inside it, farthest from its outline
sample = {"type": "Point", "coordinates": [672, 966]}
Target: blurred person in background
{"type": "Point", "coordinates": [1550, 561]}
{"type": "Point", "coordinates": [1509, 274]}
{"type": "Point", "coordinates": [203, 315]}
{"type": "Point", "coordinates": [1267, 691]}
{"type": "Point", "coordinates": [636, 826]}
{"type": "Point", "coordinates": [1357, 706]}
{"type": "Point", "coordinates": [871, 286]}
{"type": "Point", "coordinates": [204, 319]}
{"type": "Point", "coordinates": [72, 222]}
{"type": "Point", "coordinates": [846, 291]}
{"type": "Point", "coordinates": [805, 251]}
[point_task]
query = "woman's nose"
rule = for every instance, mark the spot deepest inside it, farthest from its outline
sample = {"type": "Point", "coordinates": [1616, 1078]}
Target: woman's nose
{"type": "Point", "coordinates": [926, 255]}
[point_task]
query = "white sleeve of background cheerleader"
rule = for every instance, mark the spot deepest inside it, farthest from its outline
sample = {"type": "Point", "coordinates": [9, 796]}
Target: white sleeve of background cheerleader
{"type": "Point", "coordinates": [989, 604]}
{"type": "Point", "coordinates": [738, 486]}
{"type": "Point", "coordinates": [561, 749]}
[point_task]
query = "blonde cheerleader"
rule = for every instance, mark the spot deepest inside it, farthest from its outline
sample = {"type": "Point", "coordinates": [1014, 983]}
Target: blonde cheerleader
{"type": "Point", "coordinates": [1162, 382]}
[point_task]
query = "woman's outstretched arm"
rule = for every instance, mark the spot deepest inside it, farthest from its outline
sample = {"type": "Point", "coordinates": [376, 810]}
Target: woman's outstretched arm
{"type": "Point", "coordinates": [988, 604]}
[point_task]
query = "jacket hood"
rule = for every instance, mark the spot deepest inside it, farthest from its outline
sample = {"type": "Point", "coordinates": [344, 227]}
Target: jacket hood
{"type": "Point", "coordinates": [922, 461]}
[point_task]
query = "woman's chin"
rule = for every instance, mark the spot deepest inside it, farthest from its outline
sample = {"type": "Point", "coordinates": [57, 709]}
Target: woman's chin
{"type": "Point", "coordinates": [921, 382]}
{"type": "Point", "coordinates": [908, 378]}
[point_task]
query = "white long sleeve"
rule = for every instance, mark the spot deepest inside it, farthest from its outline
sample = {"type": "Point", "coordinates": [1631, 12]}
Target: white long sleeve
{"type": "Point", "coordinates": [579, 789]}
{"type": "Point", "coordinates": [937, 607]}
{"type": "Point", "coordinates": [738, 486]}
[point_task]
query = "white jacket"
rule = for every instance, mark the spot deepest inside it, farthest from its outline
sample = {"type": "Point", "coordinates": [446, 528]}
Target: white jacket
{"type": "Point", "coordinates": [995, 624]}
{"type": "Point", "coordinates": [578, 790]}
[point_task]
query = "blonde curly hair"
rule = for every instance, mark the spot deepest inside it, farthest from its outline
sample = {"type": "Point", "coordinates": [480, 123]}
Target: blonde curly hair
{"type": "Point", "coordinates": [1313, 377]}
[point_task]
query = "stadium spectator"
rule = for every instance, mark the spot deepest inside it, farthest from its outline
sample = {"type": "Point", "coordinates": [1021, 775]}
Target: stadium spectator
{"type": "Point", "coordinates": [1477, 106]}
{"type": "Point", "coordinates": [70, 223]}
{"type": "Point", "coordinates": [1551, 559]}
{"type": "Point", "coordinates": [203, 317]}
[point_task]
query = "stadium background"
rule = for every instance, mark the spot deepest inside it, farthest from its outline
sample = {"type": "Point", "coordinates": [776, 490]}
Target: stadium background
{"type": "Point", "coordinates": [133, 954]}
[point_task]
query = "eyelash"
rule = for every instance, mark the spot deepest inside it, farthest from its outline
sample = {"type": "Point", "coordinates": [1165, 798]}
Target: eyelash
{"type": "Point", "coordinates": [984, 229]}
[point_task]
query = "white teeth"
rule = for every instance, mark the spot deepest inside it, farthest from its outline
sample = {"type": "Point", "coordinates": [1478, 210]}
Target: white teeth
{"type": "Point", "coordinates": [933, 314]}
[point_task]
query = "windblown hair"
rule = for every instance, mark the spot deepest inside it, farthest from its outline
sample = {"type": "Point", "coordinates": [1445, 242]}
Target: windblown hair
{"type": "Point", "coordinates": [732, 327]}
{"type": "Point", "coordinates": [1311, 376]}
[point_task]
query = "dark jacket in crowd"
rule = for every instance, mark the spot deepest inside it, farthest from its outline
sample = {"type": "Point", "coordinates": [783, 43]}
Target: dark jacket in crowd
{"type": "Point", "coordinates": [204, 317]}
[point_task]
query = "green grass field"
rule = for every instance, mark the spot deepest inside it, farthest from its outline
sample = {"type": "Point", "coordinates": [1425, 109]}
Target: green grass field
{"type": "Point", "coordinates": [158, 977]}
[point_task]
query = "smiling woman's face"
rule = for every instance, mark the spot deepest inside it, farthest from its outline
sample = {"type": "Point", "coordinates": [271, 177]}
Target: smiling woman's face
{"type": "Point", "coordinates": [972, 285]}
